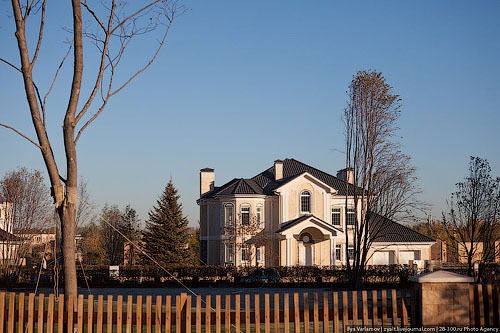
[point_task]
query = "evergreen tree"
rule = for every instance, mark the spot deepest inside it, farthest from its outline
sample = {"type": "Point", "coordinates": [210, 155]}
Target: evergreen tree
{"type": "Point", "coordinates": [166, 235]}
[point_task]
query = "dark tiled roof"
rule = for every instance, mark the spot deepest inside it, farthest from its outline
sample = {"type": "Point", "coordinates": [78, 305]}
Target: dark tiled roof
{"type": "Point", "coordinates": [264, 182]}
{"type": "Point", "coordinates": [7, 236]}
{"type": "Point", "coordinates": [384, 230]}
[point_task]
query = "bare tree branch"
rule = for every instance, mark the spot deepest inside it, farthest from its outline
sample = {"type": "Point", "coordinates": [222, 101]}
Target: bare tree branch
{"type": "Point", "coordinates": [40, 34]}
{"type": "Point", "coordinates": [21, 134]}
{"type": "Point", "coordinates": [11, 65]}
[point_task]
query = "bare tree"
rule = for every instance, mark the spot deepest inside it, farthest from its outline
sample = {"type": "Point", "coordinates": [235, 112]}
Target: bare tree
{"type": "Point", "coordinates": [111, 28]}
{"type": "Point", "coordinates": [84, 211]}
{"type": "Point", "coordinates": [383, 180]}
{"type": "Point", "coordinates": [24, 206]}
{"type": "Point", "coordinates": [472, 222]}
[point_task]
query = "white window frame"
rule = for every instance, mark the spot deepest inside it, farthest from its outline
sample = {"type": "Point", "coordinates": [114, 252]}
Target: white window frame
{"type": "Point", "coordinates": [340, 216]}
{"type": "Point", "coordinates": [350, 247]}
{"type": "Point", "coordinates": [260, 254]}
{"type": "Point", "coordinates": [226, 207]}
{"type": "Point", "coordinates": [350, 211]}
{"type": "Point", "coordinates": [259, 216]}
{"type": "Point", "coordinates": [245, 248]}
{"type": "Point", "coordinates": [305, 194]}
{"type": "Point", "coordinates": [339, 248]}
{"type": "Point", "coordinates": [245, 206]}
{"type": "Point", "coordinates": [229, 253]}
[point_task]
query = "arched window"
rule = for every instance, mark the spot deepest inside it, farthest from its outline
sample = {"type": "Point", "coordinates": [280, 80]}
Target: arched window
{"type": "Point", "coordinates": [305, 201]}
{"type": "Point", "coordinates": [229, 214]}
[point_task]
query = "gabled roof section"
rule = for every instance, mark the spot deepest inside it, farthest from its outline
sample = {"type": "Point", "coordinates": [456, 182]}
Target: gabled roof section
{"type": "Point", "coordinates": [300, 219]}
{"type": "Point", "coordinates": [264, 183]}
{"type": "Point", "coordinates": [292, 169]}
{"type": "Point", "coordinates": [384, 230]}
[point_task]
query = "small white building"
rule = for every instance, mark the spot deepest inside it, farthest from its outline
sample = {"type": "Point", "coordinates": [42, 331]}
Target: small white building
{"type": "Point", "coordinates": [292, 214]}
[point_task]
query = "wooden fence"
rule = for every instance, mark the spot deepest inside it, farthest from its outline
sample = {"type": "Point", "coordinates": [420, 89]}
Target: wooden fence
{"type": "Point", "coordinates": [315, 312]}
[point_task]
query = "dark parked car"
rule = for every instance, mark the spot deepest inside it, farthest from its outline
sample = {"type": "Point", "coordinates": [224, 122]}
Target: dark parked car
{"type": "Point", "coordinates": [262, 275]}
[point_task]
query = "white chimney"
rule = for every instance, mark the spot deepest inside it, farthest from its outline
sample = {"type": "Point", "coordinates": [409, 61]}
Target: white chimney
{"type": "Point", "coordinates": [278, 170]}
{"type": "Point", "coordinates": [207, 178]}
{"type": "Point", "coordinates": [346, 174]}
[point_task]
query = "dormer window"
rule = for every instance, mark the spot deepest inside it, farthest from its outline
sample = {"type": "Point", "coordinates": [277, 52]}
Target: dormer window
{"type": "Point", "coordinates": [305, 202]}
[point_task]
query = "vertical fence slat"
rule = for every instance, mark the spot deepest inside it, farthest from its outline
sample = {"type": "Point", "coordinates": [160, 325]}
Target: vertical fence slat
{"type": "Point", "coordinates": [489, 293]}
{"type": "Point", "coordinates": [404, 309]}
{"type": "Point", "coordinates": [31, 310]}
{"type": "Point", "coordinates": [90, 313]}
{"type": "Point", "coordinates": [99, 313]}
{"type": "Point", "coordinates": [60, 314]}
{"type": "Point", "coordinates": [384, 308]}
{"type": "Point", "coordinates": [12, 308]}
{"type": "Point", "coordinates": [374, 309]}
{"type": "Point", "coordinates": [413, 296]}
{"type": "Point", "coordinates": [2, 310]}
{"type": "Point", "coordinates": [237, 313]}
{"type": "Point", "coordinates": [354, 308]}
{"type": "Point", "coordinates": [247, 313]}
{"type": "Point", "coordinates": [227, 315]}
{"type": "Point", "coordinates": [208, 314]}
{"type": "Point", "coordinates": [198, 315]}
{"type": "Point", "coordinates": [80, 314]}
{"type": "Point", "coordinates": [158, 313]}
{"type": "Point", "coordinates": [276, 313]}
{"type": "Point", "coordinates": [394, 301]}
{"type": "Point", "coordinates": [182, 310]}
{"type": "Point", "coordinates": [364, 300]}
{"type": "Point", "coordinates": [267, 319]}
{"type": "Point", "coordinates": [472, 317]}
{"type": "Point", "coordinates": [296, 312]}
{"type": "Point", "coordinates": [20, 321]}
{"type": "Point", "coordinates": [149, 310]}
{"type": "Point", "coordinates": [286, 312]}
{"type": "Point", "coordinates": [345, 312]}
{"type": "Point", "coordinates": [217, 313]}
{"type": "Point", "coordinates": [498, 305]}
{"type": "Point", "coordinates": [306, 312]}
{"type": "Point", "coordinates": [316, 312]}
{"type": "Point", "coordinates": [138, 314]}
{"type": "Point", "coordinates": [71, 313]}
{"type": "Point", "coordinates": [326, 319]}
{"type": "Point", "coordinates": [168, 314]}
{"type": "Point", "coordinates": [188, 314]}
{"type": "Point", "coordinates": [178, 313]}
{"type": "Point", "coordinates": [480, 301]}
{"type": "Point", "coordinates": [41, 303]}
{"type": "Point", "coordinates": [50, 314]}
{"type": "Point", "coordinates": [335, 306]}
{"type": "Point", "coordinates": [129, 314]}
{"type": "Point", "coordinates": [257, 312]}
{"type": "Point", "coordinates": [119, 314]}
{"type": "Point", "coordinates": [109, 315]}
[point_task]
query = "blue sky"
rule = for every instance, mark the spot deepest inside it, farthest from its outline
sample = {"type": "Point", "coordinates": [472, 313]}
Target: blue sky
{"type": "Point", "coordinates": [240, 84]}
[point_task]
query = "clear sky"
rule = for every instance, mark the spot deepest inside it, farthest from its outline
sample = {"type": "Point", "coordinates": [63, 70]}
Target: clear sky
{"type": "Point", "coordinates": [242, 83]}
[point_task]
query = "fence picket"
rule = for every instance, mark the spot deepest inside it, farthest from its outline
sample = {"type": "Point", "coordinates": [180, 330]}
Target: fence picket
{"type": "Point", "coordinates": [41, 303]}
{"type": "Point", "coordinates": [286, 312]}
{"type": "Point", "coordinates": [149, 310]}
{"type": "Point", "coordinates": [198, 315]}
{"type": "Point", "coordinates": [316, 313]}
{"type": "Point", "coordinates": [10, 317]}
{"type": "Point", "coordinates": [404, 310]}
{"type": "Point", "coordinates": [384, 308]}
{"type": "Point", "coordinates": [208, 314]}
{"type": "Point", "coordinates": [247, 313]}
{"type": "Point", "coordinates": [20, 321]}
{"type": "Point", "coordinates": [60, 314]}
{"type": "Point", "coordinates": [188, 314]}
{"type": "Point", "coordinates": [354, 308]}
{"type": "Point", "coordinates": [109, 315]}
{"type": "Point", "coordinates": [296, 312]}
{"type": "Point", "coordinates": [267, 317]}
{"type": "Point", "coordinates": [99, 313]}
{"type": "Point", "coordinates": [257, 312]}
{"type": "Point", "coordinates": [237, 313]}
{"type": "Point", "coordinates": [326, 320]}
{"type": "Point", "coordinates": [50, 315]}
{"type": "Point", "coordinates": [276, 313]}
{"type": "Point", "coordinates": [227, 315]}
{"type": "Point", "coordinates": [129, 314]}
{"type": "Point", "coordinates": [90, 313]}
{"type": "Point", "coordinates": [217, 313]}
{"type": "Point", "coordinates": [498, 305]}
{"type": "Point", "coordinates": [345, 312]}
{"type": "Point", "coordinates": [178, 313]}
{"type": "Point", "coordinates": [31, 309]}
{"type": "Point", "coordinates": [138, 314]}
{"type": "Point", "coordinates": [306, 312]}
{"type": "Point", "coordinates": [2, 309]}
{"type": "Point", "coordinates": [79, 318]}
{"type": "Point", "coordinates": [335, 305]}
{"type": "Point", "coordinates": [168, 314]}
{"type": "Point", "coordinates": [71, 312]}
{"type": "Point", "coordinates": [374, 309]}
{"type": "Point", "coordinates": [119, 314]}
{"type": "Point", "coordinates": [364, 300]}
{"type": "Point", "coordinates": [479, 289]}
{"type": "Point", "coordinates": [394, 301]}
{"type": "Point", "coordinates": [489, 293]}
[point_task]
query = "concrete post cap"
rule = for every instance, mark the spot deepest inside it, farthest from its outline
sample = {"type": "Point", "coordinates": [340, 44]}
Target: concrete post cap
{"type": "Point", "coordinates": [441, 277]}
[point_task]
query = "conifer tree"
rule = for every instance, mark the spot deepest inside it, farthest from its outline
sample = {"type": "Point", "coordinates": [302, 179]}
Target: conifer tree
{"type": "Point", "coordinates": [166, 233]}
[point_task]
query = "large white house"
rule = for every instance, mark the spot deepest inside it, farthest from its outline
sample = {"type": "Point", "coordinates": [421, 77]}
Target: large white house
{"type": "Point", "coordinates": [292, 214]}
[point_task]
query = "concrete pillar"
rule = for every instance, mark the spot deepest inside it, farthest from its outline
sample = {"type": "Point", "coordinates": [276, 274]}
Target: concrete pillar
{"type": "Point", "coordinates": [442, 299]}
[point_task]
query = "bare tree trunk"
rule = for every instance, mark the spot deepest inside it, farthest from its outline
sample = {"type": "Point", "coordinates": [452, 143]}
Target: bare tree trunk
{"type": "Point", "coordinates": [67, 215]}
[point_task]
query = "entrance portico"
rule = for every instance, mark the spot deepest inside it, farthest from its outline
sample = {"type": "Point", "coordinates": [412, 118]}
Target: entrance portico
{"type": "Point", "coordinates": [307, 241]}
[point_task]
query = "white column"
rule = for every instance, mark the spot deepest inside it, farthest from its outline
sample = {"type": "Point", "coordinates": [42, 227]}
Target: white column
{"type": "Point", "coordinates": [288, 251]}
